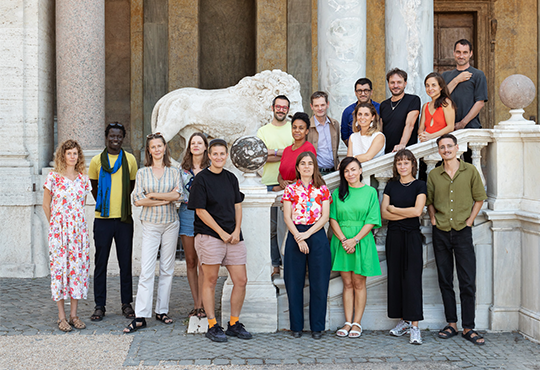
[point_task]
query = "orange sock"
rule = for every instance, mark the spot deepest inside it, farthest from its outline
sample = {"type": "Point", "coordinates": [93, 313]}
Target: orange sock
{"type": "Point", "coordinates": [212, 322]}
{"type": "Point", "coordinates": [234, 320]}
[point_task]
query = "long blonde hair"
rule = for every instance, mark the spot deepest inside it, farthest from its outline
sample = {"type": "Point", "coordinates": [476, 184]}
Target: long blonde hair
{"type": "Point", "coordinates": [374, 127]}
{"type": "Point", "coordinates": [60, 164]}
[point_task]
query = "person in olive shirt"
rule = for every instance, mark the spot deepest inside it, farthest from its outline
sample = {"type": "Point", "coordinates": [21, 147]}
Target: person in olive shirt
{"type": "Point", "coordinates": [455, 196]}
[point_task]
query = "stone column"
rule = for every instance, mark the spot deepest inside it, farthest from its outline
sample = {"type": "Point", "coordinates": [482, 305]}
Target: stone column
{"type": "Point", "coordinates": [409, 41]}
{"type": "Point", "coordinates": [342, 51]}
{"type": "Point", "coordinates": [80, 72]}
{"type": "Point", "coordinates": [259, 312]}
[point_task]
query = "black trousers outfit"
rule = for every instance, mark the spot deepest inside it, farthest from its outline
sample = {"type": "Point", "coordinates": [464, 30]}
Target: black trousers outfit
{"type": "Point", "coordinates": [319, 263]}
{"type": "Point", "coordinates": [105, 230]}
{"type": "Point", "coordinates": [448, 245]}
{"type": "Point", "coordinates": [405, 267]}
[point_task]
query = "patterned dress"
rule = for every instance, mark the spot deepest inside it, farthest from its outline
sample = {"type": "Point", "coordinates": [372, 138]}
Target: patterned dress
{"type": "Point", "coordinates": [69, 245]}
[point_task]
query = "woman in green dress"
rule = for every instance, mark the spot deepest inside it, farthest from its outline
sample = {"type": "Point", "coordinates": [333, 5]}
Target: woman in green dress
{"type": "Point", "coordinates": [354, 212]}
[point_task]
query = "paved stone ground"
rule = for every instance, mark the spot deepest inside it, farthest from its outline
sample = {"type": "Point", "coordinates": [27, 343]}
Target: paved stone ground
{"type": "Point", "coordinates": [26, 309]}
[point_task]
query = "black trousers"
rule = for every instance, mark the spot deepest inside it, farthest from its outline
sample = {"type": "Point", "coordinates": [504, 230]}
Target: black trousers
{"type": "Point", "coordinates": [405, 267]}
{"type": "Point", "coordinates": [319, 264]}
{"type": "Point", "coordinates": [448, 245]}
{"type": "Point", "coordinates": [105, 230]}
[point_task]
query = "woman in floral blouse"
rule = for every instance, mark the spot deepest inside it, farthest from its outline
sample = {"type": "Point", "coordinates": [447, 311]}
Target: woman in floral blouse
{"type": "Point", "coordinates": [64, 197]}
{"type": "Point", "coordinates": [306, 207]}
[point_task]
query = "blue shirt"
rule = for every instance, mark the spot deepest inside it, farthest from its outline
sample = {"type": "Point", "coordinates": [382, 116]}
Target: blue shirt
{"type": "Point", "coordinates": [325, 156]}
{"type": "Point", "coordinates": [347, 119]}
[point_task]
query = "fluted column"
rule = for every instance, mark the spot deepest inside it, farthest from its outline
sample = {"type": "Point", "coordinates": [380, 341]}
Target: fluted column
{"type": "Point", "coordinates": [80, 69]}
{"type": "Point", "coordinates": [409, 41]}
{"type": "Point", "coordinates": [342, 50]}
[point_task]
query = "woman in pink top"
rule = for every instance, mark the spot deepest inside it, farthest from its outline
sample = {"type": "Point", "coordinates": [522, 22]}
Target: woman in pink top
{"type": "Point", "coordinates": [438, 116]}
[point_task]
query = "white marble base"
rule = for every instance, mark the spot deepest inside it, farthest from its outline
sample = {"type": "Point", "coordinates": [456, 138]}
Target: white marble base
{"type": "Point", "coordinates": [197, 325]}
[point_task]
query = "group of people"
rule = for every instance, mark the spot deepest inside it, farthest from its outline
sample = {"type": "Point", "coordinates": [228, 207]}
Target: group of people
{"type": "Point", "coordinates": [201, 202]}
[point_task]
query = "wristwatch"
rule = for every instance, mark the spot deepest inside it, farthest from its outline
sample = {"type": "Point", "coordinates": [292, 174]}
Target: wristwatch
{"type": "Point", "coordinates": [356, 241]}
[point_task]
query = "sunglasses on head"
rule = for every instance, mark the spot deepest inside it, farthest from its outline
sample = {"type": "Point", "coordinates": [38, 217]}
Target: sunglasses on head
{"type": "Point", "coordinates": [154, 135]}
{"type": "Point", "coordinates": [115, 124]}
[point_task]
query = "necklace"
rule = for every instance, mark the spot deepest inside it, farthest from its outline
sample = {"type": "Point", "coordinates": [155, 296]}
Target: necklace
{"type": "Point", "coordinates": [395, 106]}
{"type": "Point", "coordinates": [407, 183]}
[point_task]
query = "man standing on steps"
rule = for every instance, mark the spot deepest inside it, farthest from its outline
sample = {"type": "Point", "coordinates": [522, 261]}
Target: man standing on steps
{"type": "Point", "coordinates": [277, 135]}
{"type": "Point", "coordinates": [112, 174]}
{"type": "Point", "coordinates": [399, 114]}
{"type": "Point", "coordinates": [217, 201]}
{"type": "Point", "coordinates": [455, 196]}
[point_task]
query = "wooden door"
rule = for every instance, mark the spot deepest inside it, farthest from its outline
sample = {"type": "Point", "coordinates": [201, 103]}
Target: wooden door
{"type": "Point", "coordinates": [450, 27]}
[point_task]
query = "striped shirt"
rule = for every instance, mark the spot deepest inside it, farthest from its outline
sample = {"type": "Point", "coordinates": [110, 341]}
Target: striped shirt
{"type": "Point", "coordinates": [146, 183]}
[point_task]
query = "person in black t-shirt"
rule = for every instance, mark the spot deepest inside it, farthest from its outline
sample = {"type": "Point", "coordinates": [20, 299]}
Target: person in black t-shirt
{"type": "Point", "coordinates": [216, 198]}
{"type": "Point", "coordinates": [399, 113]}
{"type": "Point", "coordinates": [403, 202]}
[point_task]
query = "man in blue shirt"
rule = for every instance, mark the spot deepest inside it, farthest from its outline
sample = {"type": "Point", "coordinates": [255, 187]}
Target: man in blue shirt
{"type": "Point", "coordinates": [363, 88]}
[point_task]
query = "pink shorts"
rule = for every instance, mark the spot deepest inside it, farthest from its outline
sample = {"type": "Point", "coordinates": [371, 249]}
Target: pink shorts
{"type": "Point", "coordinates": [213, 251]}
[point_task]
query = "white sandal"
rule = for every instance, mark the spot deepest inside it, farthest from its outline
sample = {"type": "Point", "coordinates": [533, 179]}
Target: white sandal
{"type": "Point", "coordinates": [342, 332]}
{"type": "Point", "coordinates": [355, 333]}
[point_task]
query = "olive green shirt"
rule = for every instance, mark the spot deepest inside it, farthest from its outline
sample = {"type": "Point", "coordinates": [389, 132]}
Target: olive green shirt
{"type": "Point", "coordinates": [453, 199]}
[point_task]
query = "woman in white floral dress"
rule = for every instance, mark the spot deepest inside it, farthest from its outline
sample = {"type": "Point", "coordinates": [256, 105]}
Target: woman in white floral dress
{"type": "Point", "coordinates": [64, 197]}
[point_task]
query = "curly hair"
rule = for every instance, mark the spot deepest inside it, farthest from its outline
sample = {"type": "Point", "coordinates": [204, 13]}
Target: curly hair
{"type": "Point", "coordinates": [187, 162]}
{"type": "Point", "coordinates": [60, 164]}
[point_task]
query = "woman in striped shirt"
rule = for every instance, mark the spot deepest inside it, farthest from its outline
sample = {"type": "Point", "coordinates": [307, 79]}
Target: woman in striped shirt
{"type": "Point", "coordinates": [157, 187]}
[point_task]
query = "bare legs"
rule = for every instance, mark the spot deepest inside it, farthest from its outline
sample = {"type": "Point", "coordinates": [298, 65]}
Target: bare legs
{"type": "Point", "coordinates": [354, 297]}
{"type": "Point", "coordinates": [192, 263]}
{"type": "Point", "coordinates": [239, 278]}
{"type": "Point", "coordinates": [61, 311]}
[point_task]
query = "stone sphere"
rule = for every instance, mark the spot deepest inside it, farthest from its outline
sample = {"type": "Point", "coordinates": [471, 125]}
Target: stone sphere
{"type": "Point", "coordinates": [249, 153]}
{"type": "Point", "coordinates": [517, 91]}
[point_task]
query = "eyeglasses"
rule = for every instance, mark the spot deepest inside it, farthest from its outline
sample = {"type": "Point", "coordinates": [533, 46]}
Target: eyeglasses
{"type": "Point", "coordinates": [281, 107]}
{"type": "Point", "coordinates": [154, 135]}
{"type": "Point", "coordinates": [363, 92]}
{"type": "Point", "coordinates": [449, 146]}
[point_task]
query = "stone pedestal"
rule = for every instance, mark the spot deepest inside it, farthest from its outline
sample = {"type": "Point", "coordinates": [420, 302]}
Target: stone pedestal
{"type": "Point", "coordinates": [259, 312]}
{"type": "Point", "coordinates": [409, 41]}
{"type": "Point", "coordinates": [80, 71]}
{"type": "Point", "coordinates": [342, 51]}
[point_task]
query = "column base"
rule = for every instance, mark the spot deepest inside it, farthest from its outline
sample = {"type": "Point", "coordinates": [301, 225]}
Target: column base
{"type": "Point", "coordinates": [529, 324]}
{"type": "Point", "coordinates": [504, 318]}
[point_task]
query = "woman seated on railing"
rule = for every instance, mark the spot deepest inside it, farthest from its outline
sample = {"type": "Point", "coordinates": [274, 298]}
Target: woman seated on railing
{"type": "Point", "coordinates": [441, 121]}
{"type": "Point", "coordinates": [367, 141]}
{"type": "Point", "coordinates": [287, 167]}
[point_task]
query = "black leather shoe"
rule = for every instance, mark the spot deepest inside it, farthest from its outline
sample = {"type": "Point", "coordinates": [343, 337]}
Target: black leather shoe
{"type": "Point", "coordinates": [316, 334]}
{"type": "Point", "coordinates": [297, 334]}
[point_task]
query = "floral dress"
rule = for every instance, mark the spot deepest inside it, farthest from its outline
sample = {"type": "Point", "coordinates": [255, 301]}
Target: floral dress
{"type": "Point", "coordinates": [69, 245]}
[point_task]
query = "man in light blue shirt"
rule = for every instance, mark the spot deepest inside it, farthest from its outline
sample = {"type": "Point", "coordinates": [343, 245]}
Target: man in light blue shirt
{"type": "Point", "coordinates": [323, 133]}
{"type": "Point", "coordinates": [363, 88]}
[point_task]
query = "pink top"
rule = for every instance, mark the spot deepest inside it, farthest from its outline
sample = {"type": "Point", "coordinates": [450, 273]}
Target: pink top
{"type": "Point", "coordinates": [306, 202]}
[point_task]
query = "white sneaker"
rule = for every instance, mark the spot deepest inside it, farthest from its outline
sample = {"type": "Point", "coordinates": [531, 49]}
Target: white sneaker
{"type": "Point", "coordinates": [401, 328]}
{"type": "Point", "coordinates": [416, 335]}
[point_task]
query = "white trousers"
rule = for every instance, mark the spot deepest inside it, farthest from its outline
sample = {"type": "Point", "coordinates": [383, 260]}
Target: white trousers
{"type": "Point", "coordinates": [152, 236]}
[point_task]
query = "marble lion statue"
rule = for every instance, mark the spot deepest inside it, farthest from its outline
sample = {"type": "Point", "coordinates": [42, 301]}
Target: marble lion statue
{"type": "Point", "coordinates": [229, 113]}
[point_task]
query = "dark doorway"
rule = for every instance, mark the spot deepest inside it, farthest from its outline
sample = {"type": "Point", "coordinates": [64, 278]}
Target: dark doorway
{"type": "Point", "coordinates": [450, 27]}
{"type": "Point", "coordinates": [227, 42]}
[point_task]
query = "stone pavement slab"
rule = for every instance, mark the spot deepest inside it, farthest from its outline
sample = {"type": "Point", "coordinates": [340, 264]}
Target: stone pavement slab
{"type": "Point", "coordinates": [27, 311]}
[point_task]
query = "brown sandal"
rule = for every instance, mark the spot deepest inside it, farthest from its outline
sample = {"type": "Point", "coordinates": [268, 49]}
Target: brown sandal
{"type": "Point", "coordinates": [64, 325]}
{"type": "Point", "coordinates": [193, 312]}
{"type": "Point", "coordinates": [77, 323]}
{"type": "Point", "coordinates": [201, 313]}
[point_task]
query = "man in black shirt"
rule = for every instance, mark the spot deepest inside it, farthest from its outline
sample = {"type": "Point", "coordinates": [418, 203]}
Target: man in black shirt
{"type": "Point", "coordinates": [399, 114]}
{"type": "Point", "coordinates": [216, 198]}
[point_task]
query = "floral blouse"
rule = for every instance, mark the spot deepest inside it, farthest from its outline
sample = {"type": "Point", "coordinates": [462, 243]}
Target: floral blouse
{"type": "Point", "coordinates": [306, 202]}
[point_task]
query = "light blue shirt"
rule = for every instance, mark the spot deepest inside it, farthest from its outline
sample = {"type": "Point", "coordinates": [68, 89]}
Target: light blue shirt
{"type": "Point", "coordinates": [325, 157]}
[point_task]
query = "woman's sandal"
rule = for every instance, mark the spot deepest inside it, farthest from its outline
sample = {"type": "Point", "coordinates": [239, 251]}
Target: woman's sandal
{"type": "Point", "coordinates": [164, 318]}
{"type": "Point", "coordinates": [473, 338]}
{"type": "Point", "coordinates": [201, 313]}
{"type": "Point", "coordinates": [193, 312]}
{"type": "Point", "coordinates": [447, 332]}
{"type": "Point", "coordinates": [64, 325]}
{"type": "Point", "coordinates": [133, 325]}
{"type": "Point", "coordinates": [77, 323]}
{"type": "Point", "coordinates": [342, 333]}
{"type": "Point", "coordinates": [355, 333]}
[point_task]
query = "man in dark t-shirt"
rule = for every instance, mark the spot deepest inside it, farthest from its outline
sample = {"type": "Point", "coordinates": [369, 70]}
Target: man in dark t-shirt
{"type": "Point", "coordinates": [216, 198]}
{"type": "Point", "coordinates": [399, 114]}
{"type": "Point", "coordinates": [468, 87]}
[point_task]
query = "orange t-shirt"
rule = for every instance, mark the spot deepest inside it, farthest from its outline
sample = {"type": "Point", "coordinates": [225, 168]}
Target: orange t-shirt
{"type": "Point", "coordinates": [435, 122]}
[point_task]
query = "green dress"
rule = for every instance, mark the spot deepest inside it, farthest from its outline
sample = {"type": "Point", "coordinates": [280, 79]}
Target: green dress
{"type": "Point", "coordinates": [359, 208]}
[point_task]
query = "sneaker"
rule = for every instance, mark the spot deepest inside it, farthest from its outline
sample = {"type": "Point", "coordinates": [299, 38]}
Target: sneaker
{"type": "Point", "coordinates": [216, 334]}
{"type": "Point", "coordinates": [401, 328]}
{"type": "Point", "coordinates": [416, 335]}
{"type": "Point", "coordinates": [238, 330]}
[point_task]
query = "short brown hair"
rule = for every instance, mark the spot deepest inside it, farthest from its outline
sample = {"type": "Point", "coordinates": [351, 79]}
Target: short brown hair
{"type": "Point", "coordinates": [319, 94]}
{"type": "Point", "coordinates": [60, 164]}
{"type": "Point", "coordinates": [396, 71]}
{"type": "Point", "coordinates": [404, 154]}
